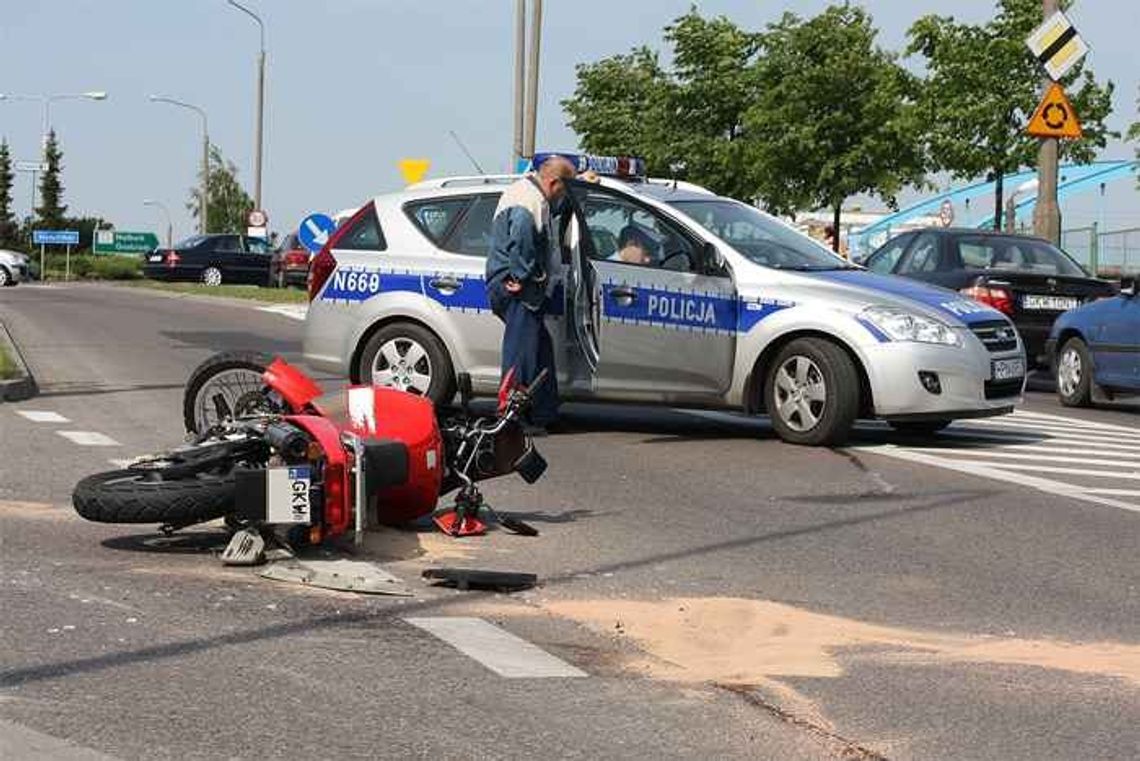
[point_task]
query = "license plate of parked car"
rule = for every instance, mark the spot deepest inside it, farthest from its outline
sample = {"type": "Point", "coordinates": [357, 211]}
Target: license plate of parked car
{"type": "Point", "coordinates": [1050, 303]}
{"type": "Point", "coordinates": [1008, 369]}
{"type": "Point", "coordinates": [154, 258]}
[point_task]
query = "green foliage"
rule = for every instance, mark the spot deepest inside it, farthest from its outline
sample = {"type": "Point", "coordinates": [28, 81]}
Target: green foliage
{"type": "Point", "coordinates": [228, 203]}
{"type": "Point", "coordinates": [982, 86]}
{"type": "Point", "coordinates": [9, 228]}
{"type": "Point", "coordinates": [91, 266]}
{"type": "Point", "coordinates": [51, 210]}
{"type": "Point", "coordinates": [1134, 134]}
{"type": "Point", "coordinates": [833, 114]}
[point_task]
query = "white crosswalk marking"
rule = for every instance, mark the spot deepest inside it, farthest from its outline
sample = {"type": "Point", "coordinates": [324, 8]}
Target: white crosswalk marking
{"type": "Point", "coordinates": [1080, 459]}
{"type": "Point", "coordinates": [42, 416]}
{"type": "Point", "coordinates": [499, 650]}
{"type": "Point", "coordinates": [89, 438]}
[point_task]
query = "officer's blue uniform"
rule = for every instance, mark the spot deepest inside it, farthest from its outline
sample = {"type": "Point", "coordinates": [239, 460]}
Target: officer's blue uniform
{"type": "Point", "coordinates": [523, 248]}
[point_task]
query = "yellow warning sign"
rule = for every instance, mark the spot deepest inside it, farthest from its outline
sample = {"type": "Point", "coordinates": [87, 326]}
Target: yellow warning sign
{"type": "Point", "coordinates": [1055, 116]}
{"type": "Point", "coordinates": [414, 169]}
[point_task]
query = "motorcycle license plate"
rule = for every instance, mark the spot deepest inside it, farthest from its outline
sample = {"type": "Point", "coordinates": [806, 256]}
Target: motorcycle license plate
{"type": "Point", "coordinates": [287, 496]}
{"type": "Point", "coordinates": [1008, 369]}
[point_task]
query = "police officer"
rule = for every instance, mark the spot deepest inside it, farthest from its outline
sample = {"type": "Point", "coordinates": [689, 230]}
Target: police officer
{"type": "Point", "coordinates": [524, 259]}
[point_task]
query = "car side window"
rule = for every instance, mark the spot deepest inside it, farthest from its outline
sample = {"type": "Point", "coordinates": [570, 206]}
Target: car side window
{"type": "Point", "coordinates": [923, 256]}
{"type": "Point", "coordinates": [436, 216]}
{"type": "Point", "coordinates": [624, 232]}
{"type": "Point", "coordinates": [257, 245]}
{"type": "Point", "coordinates": [885, 259]}
{"type": "Point", "coordinates": [364, 234]}
{"type": "Point", "coordinates": [472, 234]}
{"type": "Point", "coordinates": [227, 243]}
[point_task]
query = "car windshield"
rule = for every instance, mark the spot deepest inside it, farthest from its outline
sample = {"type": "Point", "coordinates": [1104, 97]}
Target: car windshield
{"type": "Point", "coordinates": [759, 237]}
{"type": "Point", "coordinates": [1015, 255]}
{"type": "Point", "coordinates": [190, 242]}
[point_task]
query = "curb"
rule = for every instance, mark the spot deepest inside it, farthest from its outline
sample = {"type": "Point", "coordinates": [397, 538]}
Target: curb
{"type": "Point", "coordinates": [23, 387]}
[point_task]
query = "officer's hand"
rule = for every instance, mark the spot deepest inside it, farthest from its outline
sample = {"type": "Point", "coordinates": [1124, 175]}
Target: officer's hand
{"type": "Point", "coordinates": [512, 286]}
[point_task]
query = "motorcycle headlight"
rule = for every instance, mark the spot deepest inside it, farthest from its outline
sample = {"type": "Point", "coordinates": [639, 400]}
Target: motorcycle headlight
{"type": "Point", "coordinates": [901, 325]}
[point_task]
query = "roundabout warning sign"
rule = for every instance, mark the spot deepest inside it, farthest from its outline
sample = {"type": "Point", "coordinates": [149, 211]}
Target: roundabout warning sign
{"type": "Point", "coordinates": [1055, 116]}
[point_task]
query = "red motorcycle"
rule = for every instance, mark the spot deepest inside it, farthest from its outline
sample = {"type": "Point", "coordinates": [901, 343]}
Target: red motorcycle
{"type": "Point", "coordinates": [269, 450]}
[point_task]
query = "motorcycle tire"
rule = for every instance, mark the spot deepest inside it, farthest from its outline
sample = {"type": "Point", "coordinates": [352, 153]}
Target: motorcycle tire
{"type": "Point", "coordinates": [225, 361]}
{"type": "Point", "coordinates": [136, 496]}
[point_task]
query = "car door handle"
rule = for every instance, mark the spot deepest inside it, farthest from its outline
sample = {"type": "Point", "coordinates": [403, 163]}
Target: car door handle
{"type": "Point", "coordinates": [623, 296]}
{"type": "Point", "coordinates": [445, 284]}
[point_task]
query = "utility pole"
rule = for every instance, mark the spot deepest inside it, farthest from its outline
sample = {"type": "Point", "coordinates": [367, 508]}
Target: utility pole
{"type": "Point", "coordinates": [532, 79]}
{"type": "Point", "coordinates": [520, 65]}
{"type": "Point", "coordinates": [258, 149]}
{"type": "Point", "coordinates": [1047, 212]}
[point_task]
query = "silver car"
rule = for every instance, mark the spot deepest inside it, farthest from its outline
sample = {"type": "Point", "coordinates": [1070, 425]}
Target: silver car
{"type": "Point", "coordinates": [13, 267]}
{"type": "Point", "coordinates": [729, 308]}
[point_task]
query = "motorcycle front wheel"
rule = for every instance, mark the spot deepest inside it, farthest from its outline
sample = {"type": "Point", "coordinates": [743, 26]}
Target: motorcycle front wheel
{"type": "Point", "coordinates": [223, 386]}
{"type": "Point", "coordinates": [143, 496]}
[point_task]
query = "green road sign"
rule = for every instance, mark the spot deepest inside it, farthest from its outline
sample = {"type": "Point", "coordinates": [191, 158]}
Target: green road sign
{"type": "Point", "coordinates": [119, 242]}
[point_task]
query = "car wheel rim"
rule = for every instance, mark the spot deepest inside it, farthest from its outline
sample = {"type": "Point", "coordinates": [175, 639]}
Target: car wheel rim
{"type": "Point", "coordinates": [212, 276]}
{"type": "Point", "coordinates": [3, 276]}
{"type": "Point", "coordinates": [801, 394]}
{"type": "Point", "coordinates": [1069, 372]}
{"type": "Point", "coordinates": [404, 364]}
{"type": "Point", "coordinates": [217, 398]}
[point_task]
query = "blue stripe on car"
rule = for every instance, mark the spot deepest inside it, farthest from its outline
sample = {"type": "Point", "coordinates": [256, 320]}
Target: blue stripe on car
{"type": "Point", "coordinates": [962, 310]}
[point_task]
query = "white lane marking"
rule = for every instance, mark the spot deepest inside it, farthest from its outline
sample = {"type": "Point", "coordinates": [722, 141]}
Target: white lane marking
{"type": "Point", "coordinates": [1074, 421]}
{"type": "Point", "coordinates": [1133, 475]}
{"type": "Point", "coordinates": [954, 447]}
{"type": "Point", "coordinates": [502, 652]}
{"type": "Point", "coordinates": [89, 438]}
{"type": "Point", "coordinates": [1057, 428]}
{"type": "Point", "coordinates": [1046, 485]}
{"type": "Point", "coordinates": [42, 416]}
{"type": "Point", "coordinates": [1115, 492]}
{"type": "Point", "coordinates": [1028, 437]}
{"type": "Point", "coordinates": [292, 311]}
{"type": "Point", "coordinates": [1027, 456]}
{"type": "Point", "coordinates": [18, 741]}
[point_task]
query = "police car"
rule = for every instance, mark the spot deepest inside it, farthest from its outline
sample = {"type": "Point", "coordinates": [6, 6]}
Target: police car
{"type": "Point", "coordinates": [731, 308]}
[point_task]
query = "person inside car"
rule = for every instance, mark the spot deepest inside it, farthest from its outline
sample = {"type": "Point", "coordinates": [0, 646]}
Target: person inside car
{"type": "Point", "coordinates": [634, 246]}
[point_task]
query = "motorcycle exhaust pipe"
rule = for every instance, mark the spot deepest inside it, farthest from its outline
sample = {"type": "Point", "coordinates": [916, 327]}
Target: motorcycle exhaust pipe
{"type": "Point", "coordinates": [289, 441]}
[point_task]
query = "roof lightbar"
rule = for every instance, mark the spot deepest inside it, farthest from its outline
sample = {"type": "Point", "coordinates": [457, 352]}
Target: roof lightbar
{"type": "Point", "coordinates": [608, 166]}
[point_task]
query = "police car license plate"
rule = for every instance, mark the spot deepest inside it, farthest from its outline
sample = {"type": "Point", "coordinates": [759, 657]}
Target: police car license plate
{"type": "Point", "coordinates": [154, 258]}
{"type": "Point", "coordinates": [1008, 369]}
{"type": "Point", "coordinates": [1049, 303]}
{"type": "Point", "coordinates": [287, 495]}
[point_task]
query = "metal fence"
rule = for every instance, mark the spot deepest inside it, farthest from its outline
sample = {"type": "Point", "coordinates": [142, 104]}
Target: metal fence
{"type": "Point", "coordinates": [1109, 254]}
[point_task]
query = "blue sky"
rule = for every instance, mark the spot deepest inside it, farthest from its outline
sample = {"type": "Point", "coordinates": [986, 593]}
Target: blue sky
{"type": "Point", "coordinates": [355, 85]}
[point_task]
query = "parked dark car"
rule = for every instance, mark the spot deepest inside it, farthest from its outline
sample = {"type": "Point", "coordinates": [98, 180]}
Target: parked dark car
{"type": "Point", "coordinates": [291, 263]}
{"type": "Point", "coordinates": [1029, 279]}
{"type": "Point", "coordinates": [213, 260]}
{"type": "Point", "coordinates": [1095, 350]}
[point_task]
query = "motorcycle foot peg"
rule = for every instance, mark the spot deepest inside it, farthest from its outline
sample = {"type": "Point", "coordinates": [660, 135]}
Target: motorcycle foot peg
{"type": "Point", "coordinates": [246, 547]}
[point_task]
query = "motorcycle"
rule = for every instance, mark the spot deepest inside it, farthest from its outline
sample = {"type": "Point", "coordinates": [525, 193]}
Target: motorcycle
{"type": "Point", "coordinates": [271, 453]}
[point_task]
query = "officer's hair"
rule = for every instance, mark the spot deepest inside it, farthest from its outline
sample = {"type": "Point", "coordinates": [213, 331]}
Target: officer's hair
{"type": "Point", "coordinates": [556, 167]}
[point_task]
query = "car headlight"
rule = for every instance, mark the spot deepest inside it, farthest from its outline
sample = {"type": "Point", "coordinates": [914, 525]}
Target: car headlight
{"type": "Point", "coordinates": [901, 325]}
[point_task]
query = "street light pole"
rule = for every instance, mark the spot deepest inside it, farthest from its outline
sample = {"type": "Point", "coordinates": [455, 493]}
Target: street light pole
{"type": "Point", "coordinates": [204, 191]}
{"type": "Point", "coordinates": [520, 67]}
{"type": "Point", "coordinates": [532, 78]}
{"type": "Point", "coordinates": [258, 137]}
{"type": "Point", "coordinates": [169, 223]}
{"type": "Point", "coordinates": [1047, 212]}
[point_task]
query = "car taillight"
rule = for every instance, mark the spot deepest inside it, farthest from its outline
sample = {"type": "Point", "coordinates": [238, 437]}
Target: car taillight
{"type": "Point", "coordinates": [998, 298]}
{"type": "Point", "coordinates": [324, 263]}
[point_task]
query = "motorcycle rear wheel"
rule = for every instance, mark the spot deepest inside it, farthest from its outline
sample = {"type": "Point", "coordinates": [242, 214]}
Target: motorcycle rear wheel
{"type": "Point", "coordinates": [142, 496]}
{"type": "Point", "coordinates": [242, 372]}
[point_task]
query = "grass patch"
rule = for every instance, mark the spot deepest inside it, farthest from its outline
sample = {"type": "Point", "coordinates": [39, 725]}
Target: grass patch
{"type": "Point", "coordinates": [250, 292]}
{"type": "Point", "coordinates": [89, 267]}
{"type": "Point", "coordinates": [8, 368]}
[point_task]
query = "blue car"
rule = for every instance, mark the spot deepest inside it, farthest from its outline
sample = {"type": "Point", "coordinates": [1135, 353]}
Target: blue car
{"type": "Point", "coordinates": [1095, 350]}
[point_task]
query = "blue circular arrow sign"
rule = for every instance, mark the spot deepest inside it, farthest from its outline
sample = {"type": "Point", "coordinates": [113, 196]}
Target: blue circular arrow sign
{"type": "Point", "coordinates": [315, 231]}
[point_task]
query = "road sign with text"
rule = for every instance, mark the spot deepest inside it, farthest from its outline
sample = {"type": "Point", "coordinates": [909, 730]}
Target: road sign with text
{"type": "Point", "coordinates": [55, 237]}
{"type": "Point", "coordinates": [122, 242]}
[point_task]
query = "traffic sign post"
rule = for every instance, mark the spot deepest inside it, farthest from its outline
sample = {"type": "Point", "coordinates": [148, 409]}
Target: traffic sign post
{"type": "Point", "coordinates": [314, 231]}
{"type": "Point", "coordinates": [44, 238]}
{"type": "Point", "coordinates": [122, 242]}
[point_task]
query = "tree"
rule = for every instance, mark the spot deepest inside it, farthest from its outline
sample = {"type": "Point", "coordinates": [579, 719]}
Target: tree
{"type": "Point", "coordinates": [983, 84]}
{"type": "Point", "coordinates": [229, 204]}
{"type": "Point", "coordinates": [9, 228]}
{"type": "Point", "coordinates": [833, 115]}
{"type": "Point", "coordinates": [51, 210]}
{"type": "Point", "coordinates": [1134, 134]}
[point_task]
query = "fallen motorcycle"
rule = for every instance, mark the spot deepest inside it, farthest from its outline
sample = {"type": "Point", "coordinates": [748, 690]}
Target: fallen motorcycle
{"type": "Point", "coordinates": [272, 454]}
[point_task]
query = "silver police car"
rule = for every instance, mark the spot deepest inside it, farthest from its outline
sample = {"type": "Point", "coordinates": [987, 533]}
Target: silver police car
{"type": "Point", "coordinates": [724, 306]}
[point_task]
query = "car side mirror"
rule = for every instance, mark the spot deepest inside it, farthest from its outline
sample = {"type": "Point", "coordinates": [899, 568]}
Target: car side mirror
{"type": "Point", "coordinates": [1128, 286]}
{"type": "Point", "coordinates": [711, 259]}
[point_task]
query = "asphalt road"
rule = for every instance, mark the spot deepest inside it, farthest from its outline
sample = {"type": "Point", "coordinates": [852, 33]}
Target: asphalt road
{"type": "Point", "coordinates": [724, 595]}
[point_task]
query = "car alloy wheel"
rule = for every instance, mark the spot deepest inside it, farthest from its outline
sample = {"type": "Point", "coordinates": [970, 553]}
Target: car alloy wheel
{"type": "Point", "coordinates": [801, 393]}
{"type": "Point", "coordinates": [3, 276]}
{"type": "Point", "coordinates": [212, 276]}
{"type": "Point", "coordinates": [1069, 371]}
{"type": "Point", "coordinates": [404, 364]}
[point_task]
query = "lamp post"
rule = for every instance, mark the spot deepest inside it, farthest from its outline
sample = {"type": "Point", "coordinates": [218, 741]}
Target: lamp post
{"type": "Point", "coordinates": [47, 100]}
{"type": "Point", "coordinates": [204, 191]}
{"type": "Point", "coordinates": [260, 103]}
{"type": "Point", "coordinates": [169, 224]}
